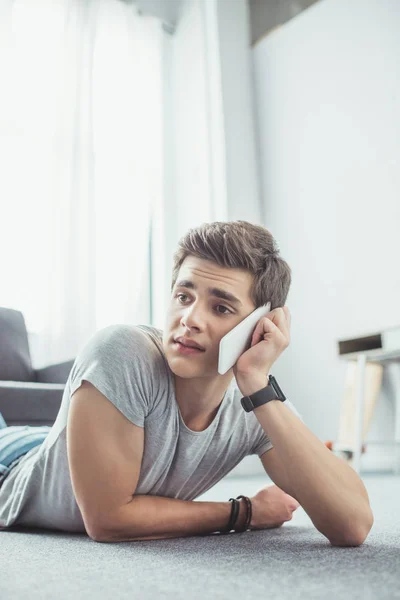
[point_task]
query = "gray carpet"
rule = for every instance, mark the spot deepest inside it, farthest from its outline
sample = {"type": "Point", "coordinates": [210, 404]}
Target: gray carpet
{"type": "Point", "coordinates": [294, 561]}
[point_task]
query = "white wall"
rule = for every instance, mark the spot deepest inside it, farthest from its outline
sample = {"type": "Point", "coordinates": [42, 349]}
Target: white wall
{"type": "Point", "coordinates": [243, 194]}
{"type": "Point", "coordinates": [327, 90]}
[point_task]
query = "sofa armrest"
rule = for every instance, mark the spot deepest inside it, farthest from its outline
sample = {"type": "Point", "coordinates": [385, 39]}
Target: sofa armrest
{"type": "Point", "coordinates": [30, 403]}
{"type": "Point", "coordinates": [57, 373]}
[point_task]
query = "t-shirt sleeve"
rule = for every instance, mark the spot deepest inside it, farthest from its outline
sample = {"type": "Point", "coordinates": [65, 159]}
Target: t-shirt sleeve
{"type": "Point", "coordinates": [262, 443]}
{"type": "Point", "coordinates": [117, 360]}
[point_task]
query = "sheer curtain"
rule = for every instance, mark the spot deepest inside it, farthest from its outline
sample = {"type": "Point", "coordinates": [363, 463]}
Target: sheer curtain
{"type": "Point", "coordinates": [81, 166]}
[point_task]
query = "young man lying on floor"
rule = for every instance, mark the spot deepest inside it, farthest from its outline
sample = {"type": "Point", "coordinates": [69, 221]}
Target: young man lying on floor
{"type": "Point", "coordinates": [146, 426]}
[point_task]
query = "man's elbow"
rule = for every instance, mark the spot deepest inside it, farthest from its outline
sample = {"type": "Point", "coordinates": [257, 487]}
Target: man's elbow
{"type": "Point", "coordinates": [357, 538]}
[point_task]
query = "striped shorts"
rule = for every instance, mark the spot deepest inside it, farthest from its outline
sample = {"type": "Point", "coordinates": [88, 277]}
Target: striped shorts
{"type": "Point", "coordinates": [17, 440]}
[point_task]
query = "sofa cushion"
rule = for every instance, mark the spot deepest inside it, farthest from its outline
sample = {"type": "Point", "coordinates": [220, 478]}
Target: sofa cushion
{"type": "Point", "coordinates": [15, 359]}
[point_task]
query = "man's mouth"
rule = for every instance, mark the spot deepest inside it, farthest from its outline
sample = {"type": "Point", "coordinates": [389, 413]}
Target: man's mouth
{"type": "Point", "coordinates": [188, 342]}
{"type": "Point", "coordinates": [187, 349]}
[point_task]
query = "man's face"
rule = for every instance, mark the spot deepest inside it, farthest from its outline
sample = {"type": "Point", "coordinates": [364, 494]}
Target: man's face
{"type": "Point", "coordinates": [202, 316]}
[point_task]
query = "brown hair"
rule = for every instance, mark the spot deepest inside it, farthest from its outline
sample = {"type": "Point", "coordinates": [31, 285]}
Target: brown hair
{"type": "Point", "coordinates": [240, 245]}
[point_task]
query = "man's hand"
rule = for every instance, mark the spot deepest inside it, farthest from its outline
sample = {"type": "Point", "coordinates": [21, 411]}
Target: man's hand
{"type": "Point", "coordinates": [270, 338]}
{"type": "Point", "coordinates": [271, 507]}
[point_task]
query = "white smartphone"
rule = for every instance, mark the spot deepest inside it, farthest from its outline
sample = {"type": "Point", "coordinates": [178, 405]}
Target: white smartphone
{"type": "Point", "coordinates": [238, 339]}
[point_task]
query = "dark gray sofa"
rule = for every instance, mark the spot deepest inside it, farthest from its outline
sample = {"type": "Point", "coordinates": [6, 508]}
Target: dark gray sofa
{"type": "Point", "coordinates": [28, 396]}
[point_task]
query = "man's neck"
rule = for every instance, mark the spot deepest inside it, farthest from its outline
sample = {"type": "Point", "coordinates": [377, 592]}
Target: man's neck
{"type": "Point", "coordinates": [199, 400]}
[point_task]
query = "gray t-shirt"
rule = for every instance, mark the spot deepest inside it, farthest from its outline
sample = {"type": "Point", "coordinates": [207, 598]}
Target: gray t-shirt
{"type": "Point", "coordinates": [128, 365]}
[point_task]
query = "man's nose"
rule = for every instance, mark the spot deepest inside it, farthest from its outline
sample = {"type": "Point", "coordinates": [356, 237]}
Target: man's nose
{"type": "Point", "coordinates": [193, 317]}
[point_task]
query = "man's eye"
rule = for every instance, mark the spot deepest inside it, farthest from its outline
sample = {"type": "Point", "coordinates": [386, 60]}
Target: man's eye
{"type": "Point", "coordinates": [224, 313]}
{"type": "Point", "coordinates": [219, 305]}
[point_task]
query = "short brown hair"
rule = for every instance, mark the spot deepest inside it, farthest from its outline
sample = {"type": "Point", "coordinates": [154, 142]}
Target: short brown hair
{"type": "Point", "coordinates": [240, 245]}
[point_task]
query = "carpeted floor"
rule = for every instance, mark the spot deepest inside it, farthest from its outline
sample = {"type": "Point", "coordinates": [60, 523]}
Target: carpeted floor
{"type": "Point", "coordinates": [293, 562]}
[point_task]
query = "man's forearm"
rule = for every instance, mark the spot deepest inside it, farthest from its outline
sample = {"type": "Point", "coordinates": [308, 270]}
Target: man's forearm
{"type": "Point", "coordinates": [328, 489]}
{"type": "Point", "coordinates": [158, 517]}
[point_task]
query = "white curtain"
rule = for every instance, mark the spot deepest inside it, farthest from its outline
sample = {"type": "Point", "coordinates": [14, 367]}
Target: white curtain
{"type": "Point", "coordinates": [81, 166]}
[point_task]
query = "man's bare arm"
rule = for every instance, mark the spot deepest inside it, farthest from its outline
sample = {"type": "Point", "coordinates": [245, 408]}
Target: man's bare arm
{"type": "Point", "coordinates": [157, 517]}
{"type": "Point", "coordinates": [105, 452]}
{"type": "Point", "coordinates": [328, 489]}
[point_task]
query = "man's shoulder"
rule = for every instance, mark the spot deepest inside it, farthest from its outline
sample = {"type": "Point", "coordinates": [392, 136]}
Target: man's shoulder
{"type": "Point", "coordinates": [129, 333]}
{"type": "Point", "coordinates": [143, 342]}
{"type": "Point", "coordinates": [123, 343]}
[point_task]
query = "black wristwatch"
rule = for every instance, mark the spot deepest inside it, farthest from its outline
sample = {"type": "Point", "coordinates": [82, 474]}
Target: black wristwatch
{"type": "Point", "coordinates": [271, 392]}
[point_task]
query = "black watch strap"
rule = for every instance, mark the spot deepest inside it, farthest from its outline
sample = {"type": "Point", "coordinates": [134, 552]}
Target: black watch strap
{"type": "Point", "coordinates": [271, 392]}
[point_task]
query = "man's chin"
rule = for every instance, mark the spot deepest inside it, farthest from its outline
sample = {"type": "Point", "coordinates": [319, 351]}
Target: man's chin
{"type": "Point", "coordinates": [185, 372]}
{"type": "Point", "coordinates": [181, 367]}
